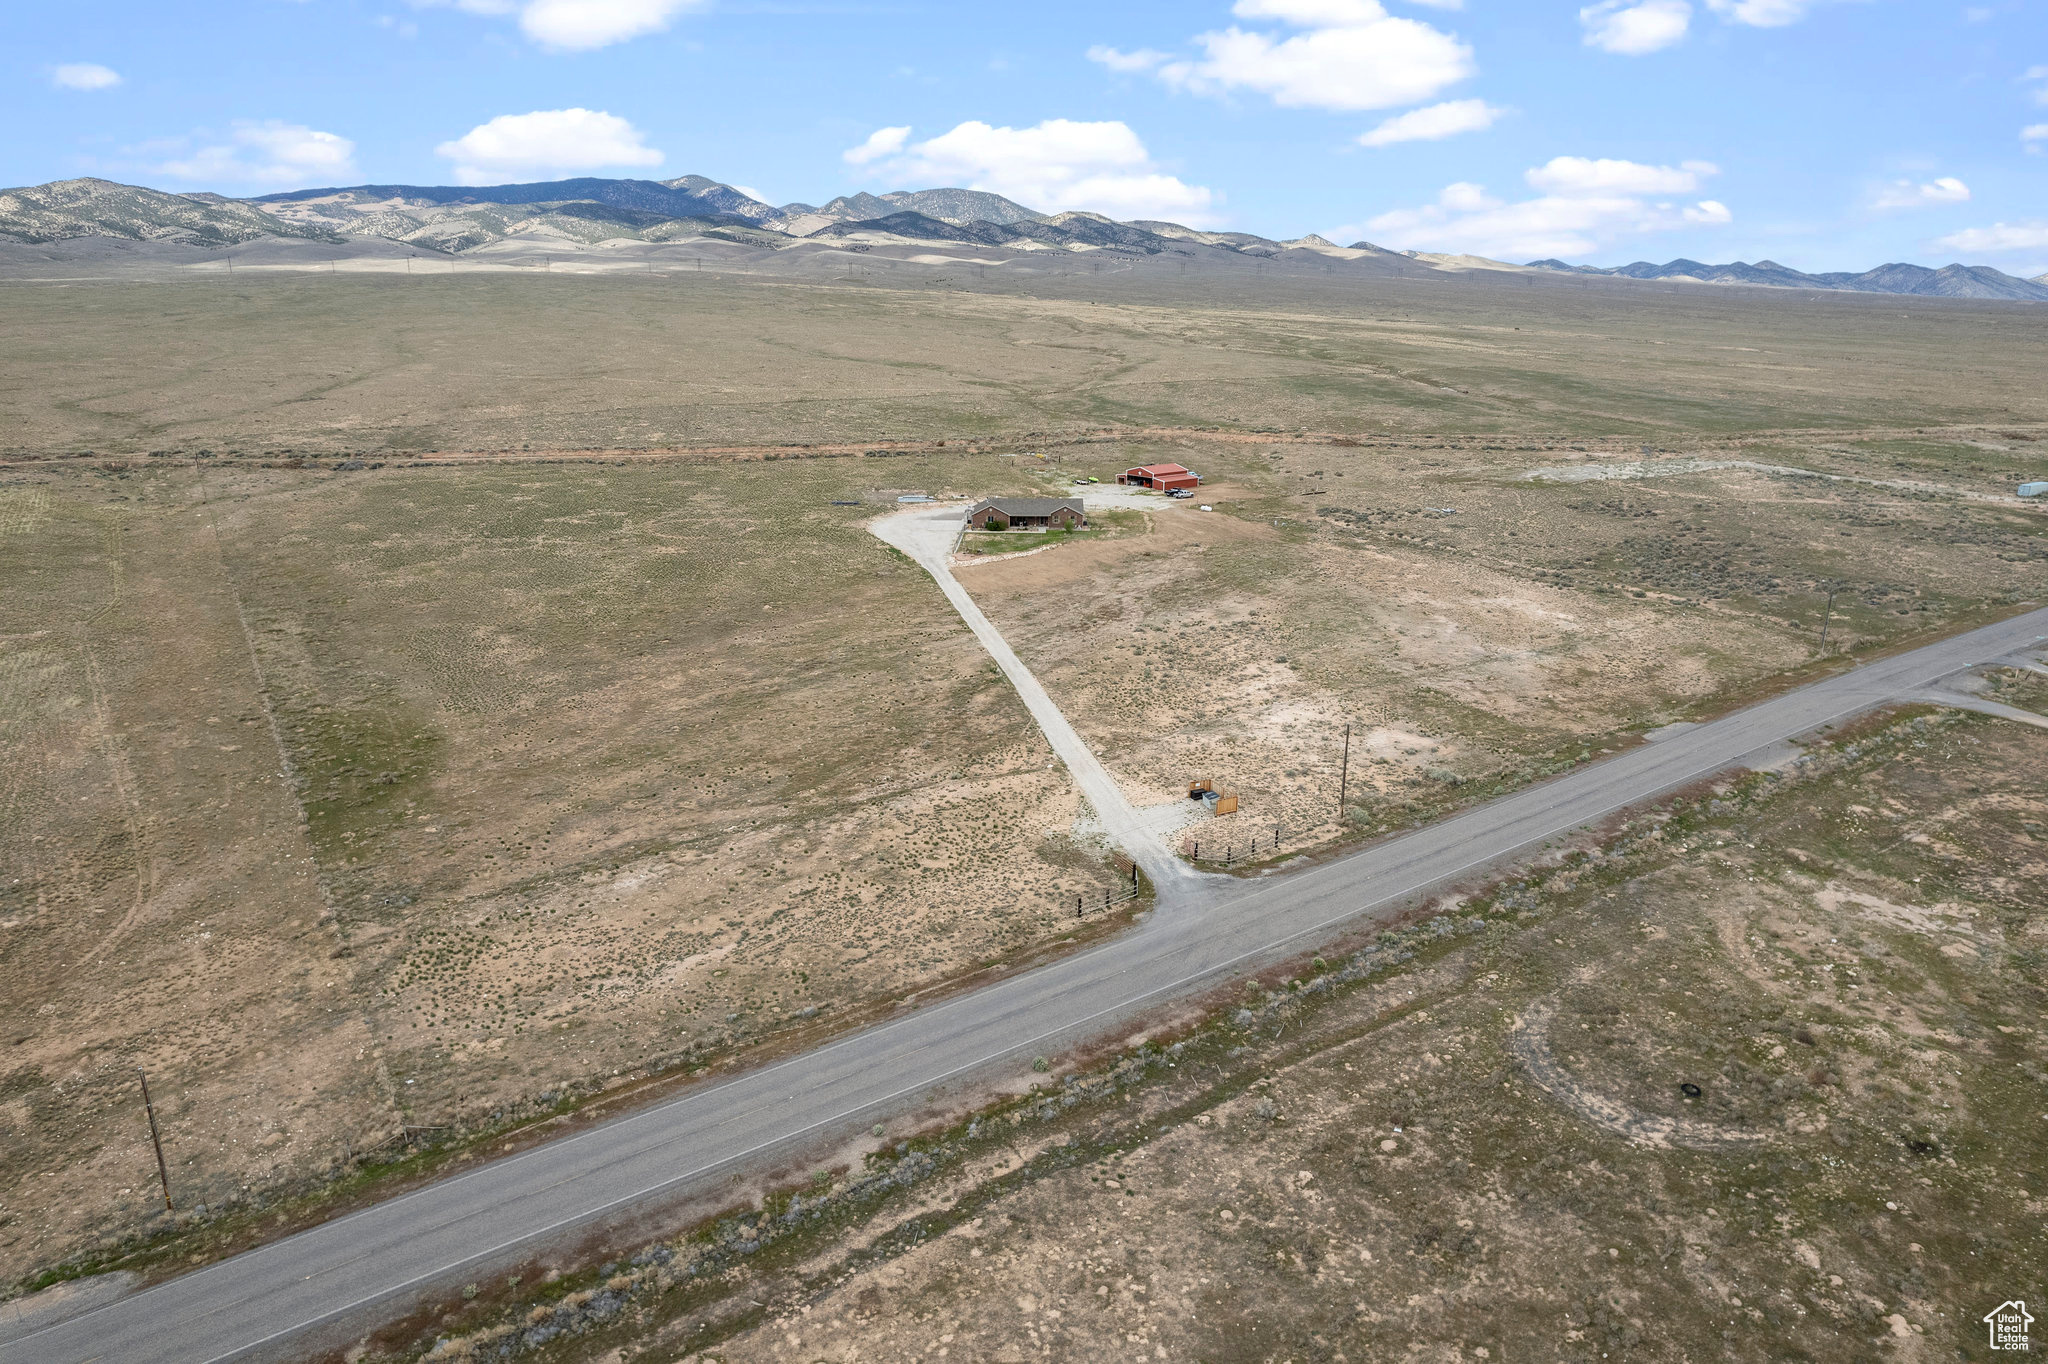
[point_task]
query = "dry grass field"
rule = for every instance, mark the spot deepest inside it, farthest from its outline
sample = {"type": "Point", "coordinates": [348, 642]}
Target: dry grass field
{"type": "Point", "coordinates": [1760, 1079]}
{"type": "Point", "coordinates": [350, 363]}
{"type": "Point", "coordinates": [433, 794]}
{"type": "Point", "coordinates": [349, 801]}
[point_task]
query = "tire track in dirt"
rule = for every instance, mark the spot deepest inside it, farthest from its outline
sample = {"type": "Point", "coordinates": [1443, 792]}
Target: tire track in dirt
{"type": "Point", "coordinates": [107, 739]}
{"type": "Point", "coordinates": [294, 782]}
{"type": "Point", "coordinates": [123, 777]}
{"type": "Point", "coordinates": [1530, 1042]}
{"type": "Point", "coordinates": [288, 771]}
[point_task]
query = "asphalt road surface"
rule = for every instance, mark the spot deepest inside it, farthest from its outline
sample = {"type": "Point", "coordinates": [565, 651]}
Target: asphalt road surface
{"type": "Point", "coordinates": [274, 1302]}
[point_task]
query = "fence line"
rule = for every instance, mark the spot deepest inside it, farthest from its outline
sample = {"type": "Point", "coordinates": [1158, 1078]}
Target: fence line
{"type": "Point", "coordinates": [1191, 848]}
{"type": "Point", "coordinates": [1107, 900]}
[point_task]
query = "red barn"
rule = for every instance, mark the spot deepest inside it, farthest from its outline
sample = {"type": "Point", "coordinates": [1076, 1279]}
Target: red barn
{"type": "Point", "coordinates": [1165, 477]}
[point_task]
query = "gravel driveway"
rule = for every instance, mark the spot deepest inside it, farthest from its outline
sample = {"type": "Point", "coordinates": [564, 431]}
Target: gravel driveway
{"type": "Point", "coordinates": [928, 536]}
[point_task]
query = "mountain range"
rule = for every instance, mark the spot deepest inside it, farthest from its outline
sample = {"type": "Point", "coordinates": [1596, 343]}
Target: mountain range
{"type": "Point", "coordinates": [597, 212]}
{"type": "Point", "coordinates": [1950, 281]}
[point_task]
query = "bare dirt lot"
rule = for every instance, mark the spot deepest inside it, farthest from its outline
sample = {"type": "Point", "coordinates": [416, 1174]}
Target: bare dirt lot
{"type": "Point", "coordinates": [1761, 1078]}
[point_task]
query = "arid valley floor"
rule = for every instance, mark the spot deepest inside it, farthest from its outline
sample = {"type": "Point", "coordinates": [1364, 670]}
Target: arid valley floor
{"type": "Point", "coordinates": [430, 705]}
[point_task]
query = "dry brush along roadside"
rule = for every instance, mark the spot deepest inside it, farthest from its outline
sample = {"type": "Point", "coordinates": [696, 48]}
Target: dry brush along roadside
{"type": "Point", "coordinates": [413, 1155]}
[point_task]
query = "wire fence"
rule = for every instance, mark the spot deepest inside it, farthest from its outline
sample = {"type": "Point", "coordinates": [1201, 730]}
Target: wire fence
{"type": "Point", "coordinates": [1107, 899]}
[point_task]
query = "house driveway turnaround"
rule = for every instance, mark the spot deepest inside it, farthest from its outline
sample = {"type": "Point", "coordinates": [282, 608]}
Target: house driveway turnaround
{"type": "Point", "coordinates": [321, 1286]}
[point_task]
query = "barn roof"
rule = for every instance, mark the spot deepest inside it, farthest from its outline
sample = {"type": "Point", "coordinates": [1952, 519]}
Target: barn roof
{"type": "Point", "coordinates": [1028, 506]}
{"type": "Point", "coordinates": [1157, 469]}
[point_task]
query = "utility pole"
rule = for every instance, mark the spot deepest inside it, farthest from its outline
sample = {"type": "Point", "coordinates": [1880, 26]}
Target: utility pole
{"type": "Point", "coordinates": [1344, 775]}
{"type": "Point", "coordinates": [1828, 619]}
{"type": "Point", "coordinates": [156, 1139]}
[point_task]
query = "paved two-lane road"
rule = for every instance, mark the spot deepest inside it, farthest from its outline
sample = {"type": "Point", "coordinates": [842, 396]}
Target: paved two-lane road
{"type": "Point", "coordinates": [271, 1302]}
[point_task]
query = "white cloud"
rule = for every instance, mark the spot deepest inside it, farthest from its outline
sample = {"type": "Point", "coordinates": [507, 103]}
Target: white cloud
{"type": "Point", "coordinates": [85, 76]}
{"type": "Point", "coordinates": [1632, 30]}
{"type": "Point", "coordinates": [578, 25]}
{"type": "Point", "coordinates": [1583, 204]}
{"type": "Point", "coordinates": [1906, 194]}
{"type": "Point", "coordinates": [2034, 132]}
{"type": "Point", "coordinates": [1052, 166]}
{"type": "Point", "coordinates": [881, 142]}
{"type": "Point", "coordinates": [1762, 13]}
{"type": "Point", "coordinates": [546, 143]}
{"type": "Point", "coordinates": [1144, 59]}
{"type": "Point", "coordinates": [270, 154]}
{"type": "Point", "coordinates": [1579, 175]}
{"type": "Point", "coordinates": [1999, 237]}
{"type": "Point", "coordinates": [1350, 55]}
{"type": "Point", "coordinates": [1433, 123]}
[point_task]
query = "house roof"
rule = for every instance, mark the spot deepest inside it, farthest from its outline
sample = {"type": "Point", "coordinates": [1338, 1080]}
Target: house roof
{"type": "Point", "coordinates": [1159, 469]}
{"type": "Point", "coordinates": [1029, 506]}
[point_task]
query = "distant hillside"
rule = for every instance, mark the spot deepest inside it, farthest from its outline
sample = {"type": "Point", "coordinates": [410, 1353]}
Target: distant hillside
{"type": "Point", "coordinates": [67, 209]}
{"type": "Point", "coordinates": [1951, 281]}
{"type": "Point", "coordinates": [692, 196]}
{"type": "Point", "coordinates": [955, 206]}
{"type": "Point", "coordinates": [963, 206]}
{"type": "Point", "coordinates": [450, 224]}
{"type": "Point", "coordinates": [1064, 230]}
{"type": "Point", "coordinates": [594, 211]}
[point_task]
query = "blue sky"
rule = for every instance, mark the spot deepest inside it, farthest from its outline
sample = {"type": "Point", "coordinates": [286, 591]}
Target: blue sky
{"type": "Point", "coordinates": [1825, 134]}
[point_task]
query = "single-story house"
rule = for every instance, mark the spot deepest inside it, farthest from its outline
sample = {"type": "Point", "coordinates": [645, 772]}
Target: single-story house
{"type": "Point", "coordinates": [1027, 513]}
{"type": "Point", "coordinates": [1165, 477]}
